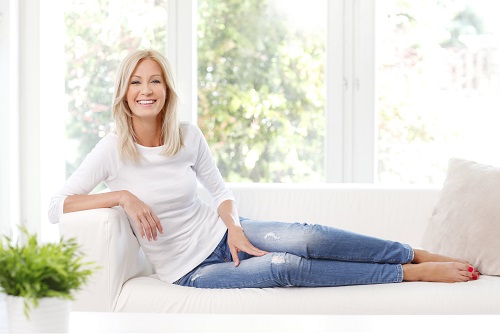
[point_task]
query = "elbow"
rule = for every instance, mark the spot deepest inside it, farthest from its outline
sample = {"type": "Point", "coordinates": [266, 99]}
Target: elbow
{"type": "Point", "coordinates": [55, 209]}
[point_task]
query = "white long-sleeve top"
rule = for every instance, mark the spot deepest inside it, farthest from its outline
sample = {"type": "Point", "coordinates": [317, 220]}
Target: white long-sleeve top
{"type": "Point", "coordinates": [168, 185]}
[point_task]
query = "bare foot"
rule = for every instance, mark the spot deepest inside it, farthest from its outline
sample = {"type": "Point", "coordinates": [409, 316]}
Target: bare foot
{"type": "Point", "coordinates": [447, 272]}
{"type": "Point", "coordinates": [422, 256]}
{"type": "Point", "coordinates": [425, 256]}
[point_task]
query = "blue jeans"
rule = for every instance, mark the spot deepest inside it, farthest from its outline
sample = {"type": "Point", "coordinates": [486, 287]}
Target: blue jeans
{"type": "Point", "coordinates": [302, 255]}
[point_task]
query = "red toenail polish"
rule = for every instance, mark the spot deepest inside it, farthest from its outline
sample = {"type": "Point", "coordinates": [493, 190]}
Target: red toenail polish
{"type": "Point", "coordinates": [471, 269]}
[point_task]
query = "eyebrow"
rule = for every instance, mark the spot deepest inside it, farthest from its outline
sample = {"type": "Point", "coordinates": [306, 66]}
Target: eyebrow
{"type": "Point", "coordinates": [154, 75]}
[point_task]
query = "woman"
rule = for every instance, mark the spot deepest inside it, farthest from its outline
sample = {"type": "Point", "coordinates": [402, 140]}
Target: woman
{"type": "Point", "coordinates": [151, 165]}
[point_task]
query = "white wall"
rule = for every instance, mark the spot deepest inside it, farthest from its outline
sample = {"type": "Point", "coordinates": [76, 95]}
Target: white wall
{"type": "Point", "coordinates": [9, 117]}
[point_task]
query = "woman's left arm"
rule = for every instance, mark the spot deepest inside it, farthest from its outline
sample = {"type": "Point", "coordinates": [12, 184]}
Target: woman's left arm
{"type": "Point", "coordinates": [209, 176]}
{"type": "Point", "coordinates": [237, 239]}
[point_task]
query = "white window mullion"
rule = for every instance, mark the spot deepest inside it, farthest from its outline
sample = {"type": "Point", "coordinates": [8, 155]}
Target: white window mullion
{"type": "Point", "coordinates": [335, 83]}
{"type": "Point", "coordinates": [342, 131]}
{"type": "Point", "coordinates": [181, 51]}
{"type": "Point", "coordinates": [348, 92]}
{"type": "Point", "coordinates": [363, 93]}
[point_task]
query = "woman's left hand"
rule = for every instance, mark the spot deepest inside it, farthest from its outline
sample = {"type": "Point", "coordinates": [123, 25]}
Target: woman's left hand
{"type": "Point", "coordinates": [238, 241]}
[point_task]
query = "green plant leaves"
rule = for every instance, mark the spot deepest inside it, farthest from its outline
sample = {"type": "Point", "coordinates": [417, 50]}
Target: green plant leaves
{"type": "Point", "coordinates": [33, 270]}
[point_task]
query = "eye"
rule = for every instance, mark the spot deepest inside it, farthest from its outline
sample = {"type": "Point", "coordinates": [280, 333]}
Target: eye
{"type": "Point", "coordinates": [156, 81]}
{"type": "Point", "coordinates": [135, 82]}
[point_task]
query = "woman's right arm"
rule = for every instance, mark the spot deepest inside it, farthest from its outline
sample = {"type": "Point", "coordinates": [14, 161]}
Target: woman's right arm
{"type": "Point", "coordinates": [141, 214]}
{"type": "Point", "coordinates": [101, 164]}
{"type": "Point", "coordinates": [74, 203]}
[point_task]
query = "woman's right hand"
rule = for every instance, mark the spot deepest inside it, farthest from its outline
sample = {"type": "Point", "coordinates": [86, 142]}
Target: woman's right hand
{"type": "Point", "coordinates": [142, 215]}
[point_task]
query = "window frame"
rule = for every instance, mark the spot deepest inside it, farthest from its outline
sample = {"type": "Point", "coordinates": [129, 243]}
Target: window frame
{"type": "Point", "coordinates": [350, 145]}
{"type": "Point", "coordinates": [350, 141]}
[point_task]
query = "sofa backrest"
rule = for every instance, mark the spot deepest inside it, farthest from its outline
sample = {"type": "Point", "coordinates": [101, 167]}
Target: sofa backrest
{"type": "Point", "coordinates": [395, 213]}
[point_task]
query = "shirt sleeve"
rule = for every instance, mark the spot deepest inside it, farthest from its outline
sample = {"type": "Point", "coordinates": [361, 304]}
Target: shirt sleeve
{"type": "Point", "coordinates": [207, 172]}
{"type": "Point", "coordinates": [99, 165]}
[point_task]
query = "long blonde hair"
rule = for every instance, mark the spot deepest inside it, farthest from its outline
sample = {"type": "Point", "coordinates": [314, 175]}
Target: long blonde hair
{"type": "Point", "coordinates": [170, 132]}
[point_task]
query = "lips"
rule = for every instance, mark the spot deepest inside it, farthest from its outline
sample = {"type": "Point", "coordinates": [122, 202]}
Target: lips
{"type": "Point", "coordinates": [146, 102]}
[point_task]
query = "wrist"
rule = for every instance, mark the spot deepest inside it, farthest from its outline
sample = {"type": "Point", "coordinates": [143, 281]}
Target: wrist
{"type": "Point", "coordinates": [122, 197]}
{"type": "Point", "coordinates": [234, 227]}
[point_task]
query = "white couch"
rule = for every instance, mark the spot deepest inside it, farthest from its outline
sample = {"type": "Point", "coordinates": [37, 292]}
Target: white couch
{"type": "Point", "coordinates": [126, 281]}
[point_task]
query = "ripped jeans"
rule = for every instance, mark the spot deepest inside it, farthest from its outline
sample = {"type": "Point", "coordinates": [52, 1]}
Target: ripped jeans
{"type": "Point", "coordinates": [302, 255]}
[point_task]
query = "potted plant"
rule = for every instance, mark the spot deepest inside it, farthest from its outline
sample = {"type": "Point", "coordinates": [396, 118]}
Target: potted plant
{"type": "Point", "coordinates": [39, 280]}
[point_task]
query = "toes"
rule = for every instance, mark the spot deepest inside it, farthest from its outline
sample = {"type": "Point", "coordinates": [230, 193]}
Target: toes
{"type": "Point", "coordinates": [470, 272]}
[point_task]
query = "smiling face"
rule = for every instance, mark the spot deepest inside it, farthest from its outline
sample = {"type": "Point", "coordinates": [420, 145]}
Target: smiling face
{"type": "Point", "coordinates": [147, 90]}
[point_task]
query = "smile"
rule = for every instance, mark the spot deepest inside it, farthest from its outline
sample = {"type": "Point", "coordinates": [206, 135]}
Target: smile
{"type": "Point", "coordinates": [146, 102]}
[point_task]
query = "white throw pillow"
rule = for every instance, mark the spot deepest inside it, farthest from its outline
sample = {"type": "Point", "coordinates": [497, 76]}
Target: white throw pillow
{"type": "Point", "coordinates": [465, 223]}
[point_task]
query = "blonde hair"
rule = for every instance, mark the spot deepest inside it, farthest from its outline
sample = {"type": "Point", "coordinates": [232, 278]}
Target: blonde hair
{"type": "Point", "coordinates": [170, 132]}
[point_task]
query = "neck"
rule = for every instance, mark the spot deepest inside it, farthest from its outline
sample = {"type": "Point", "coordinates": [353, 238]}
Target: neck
{"type": "Point", "coordinates": [147, 134]}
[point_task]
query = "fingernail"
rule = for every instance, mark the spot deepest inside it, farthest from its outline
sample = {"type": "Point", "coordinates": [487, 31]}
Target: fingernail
{"type": "Point", "coordinates": [474, 276]}
{"type": "Point", "coordinates": [470, 269]}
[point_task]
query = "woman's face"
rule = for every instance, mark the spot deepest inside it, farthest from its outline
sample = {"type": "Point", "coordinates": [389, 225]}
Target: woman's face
{"type": "Point", "coordinates": [147, 91]}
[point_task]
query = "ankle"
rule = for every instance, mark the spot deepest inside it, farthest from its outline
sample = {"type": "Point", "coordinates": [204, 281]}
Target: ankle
{"type": "Point", "coordinates": [411, 272]}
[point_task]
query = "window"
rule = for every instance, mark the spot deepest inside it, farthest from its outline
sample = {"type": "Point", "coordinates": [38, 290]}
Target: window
{"type": "Point", "coordinates": [98, 35]}
{"type": "Point", "coordinates": [438, 84]}
{"type": "Point", "coordinates": [261, 87]}
{"type": "Point", "coordinates": [285, 91]}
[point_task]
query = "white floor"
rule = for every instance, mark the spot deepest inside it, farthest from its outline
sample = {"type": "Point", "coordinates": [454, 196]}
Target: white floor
{"type": "Point", "coordinates": [90, 322]}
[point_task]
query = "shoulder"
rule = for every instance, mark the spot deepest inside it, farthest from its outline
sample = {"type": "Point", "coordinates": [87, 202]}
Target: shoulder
{"type": "Point", "coordinates": [190, 131]}
{"type": "Point", "coordinates": [107, 146]}
{"type": "Point", "coordinates": [109, 141]}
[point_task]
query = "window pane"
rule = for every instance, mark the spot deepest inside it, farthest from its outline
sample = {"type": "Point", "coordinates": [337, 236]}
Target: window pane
{"type": "Point", "coordinates": [99, 34]}
{"type": "Point", "coordinates": [261, 87]}
{"type": "Point", "coordinates": [438, 84]}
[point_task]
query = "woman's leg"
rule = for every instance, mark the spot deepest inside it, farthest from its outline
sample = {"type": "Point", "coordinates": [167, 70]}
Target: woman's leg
{"type": "Point", "coordinates": [314, 255]}
{"type": "Point", "coordinates": [285, 269]}
{"type": "Point", "coordinates": [323, 242]}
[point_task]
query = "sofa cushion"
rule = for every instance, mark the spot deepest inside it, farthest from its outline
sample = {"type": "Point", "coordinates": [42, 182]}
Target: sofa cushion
{"type": "Point", "coordinates": [147, 294]}
{"type": "Point", "coordinates": [465, 222]}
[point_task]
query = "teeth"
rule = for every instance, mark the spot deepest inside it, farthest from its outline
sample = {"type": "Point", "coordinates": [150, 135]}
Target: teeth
{"type": "Point", "coordinates": [146, 102]}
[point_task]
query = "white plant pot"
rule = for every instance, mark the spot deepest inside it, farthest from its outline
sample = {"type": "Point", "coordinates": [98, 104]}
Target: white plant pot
{"type": "Point", "coordinates": [51, 315]}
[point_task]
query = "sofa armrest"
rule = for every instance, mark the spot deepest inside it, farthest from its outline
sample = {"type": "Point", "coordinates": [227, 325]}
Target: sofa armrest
{"type": "Point", "coordinates": [106, 238]}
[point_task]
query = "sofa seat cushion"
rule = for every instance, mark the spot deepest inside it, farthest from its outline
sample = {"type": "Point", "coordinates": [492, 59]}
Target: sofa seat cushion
{"type": "Point", "coordinates": [148, 294]}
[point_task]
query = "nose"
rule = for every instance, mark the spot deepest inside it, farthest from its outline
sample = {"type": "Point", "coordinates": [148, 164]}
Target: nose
{"type": "Point", "coordinates": [146, 90]}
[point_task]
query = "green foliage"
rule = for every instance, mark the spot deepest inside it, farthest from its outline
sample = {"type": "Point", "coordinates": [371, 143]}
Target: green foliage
{"type": "Point", "coordinates": [419, 73]}
{"type": "Point", "coordinates": [261, 82]}
{"type": "Point", "coordinates": [261, 92]}
{"type": "Point", "coordinates": [35, 271]}
{"type": "Point", "coordinates": [261, 100]}
{"type": "Point", "coordinates": [99, 33]}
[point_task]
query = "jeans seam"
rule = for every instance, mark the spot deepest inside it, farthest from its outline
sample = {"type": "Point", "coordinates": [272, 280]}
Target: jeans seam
{"type": "Point", "coordinates": [365, 260]}
{"type": "Point", "coordinates": [400, 273]}
{"type": "Point", "coordinates": [411, 254]}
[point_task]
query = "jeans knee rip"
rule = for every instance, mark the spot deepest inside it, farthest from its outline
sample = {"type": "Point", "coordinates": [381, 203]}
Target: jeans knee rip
{"type": "Point", "coordinates": [271, 235]}
{"type": "Point", "coordinates": [278, 259]}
